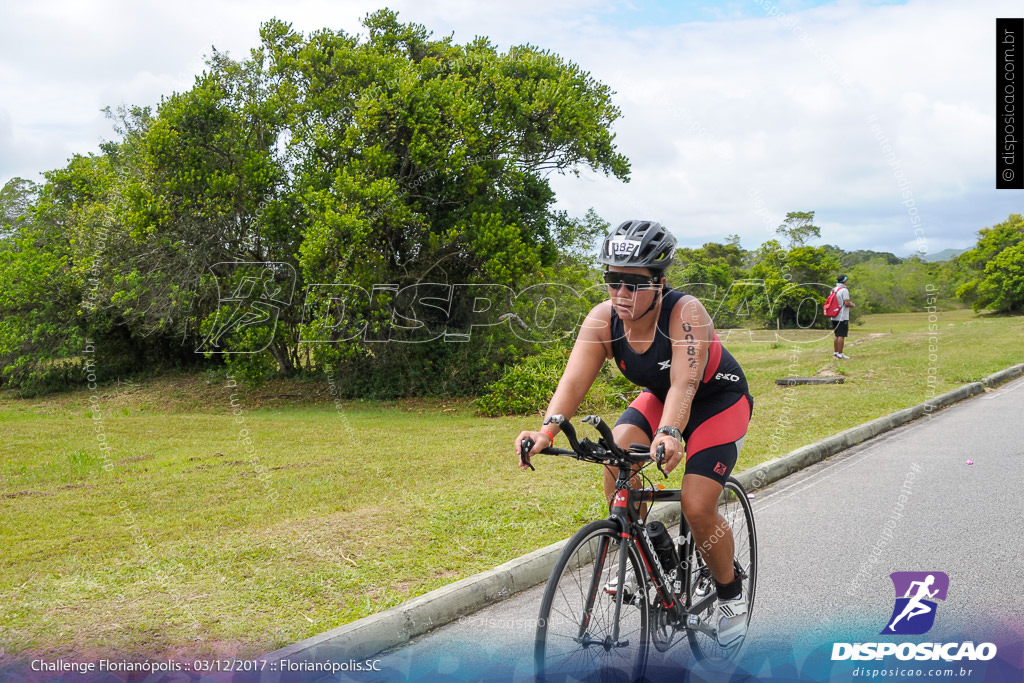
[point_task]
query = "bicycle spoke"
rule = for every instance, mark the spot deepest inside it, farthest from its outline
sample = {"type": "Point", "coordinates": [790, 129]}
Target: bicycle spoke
{"type": "Point", "coordinates": [564, 649]}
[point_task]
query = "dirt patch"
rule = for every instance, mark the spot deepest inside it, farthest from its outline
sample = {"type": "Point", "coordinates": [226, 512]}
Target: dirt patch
{"type": "Point", "coordinates": [28, 494]}
{"type": "Point", "coordinates": [338, 537]}
{"type": "Point", "coordinates": [857, 339]}
{"type": "Point", "coordinates": [23, 494]}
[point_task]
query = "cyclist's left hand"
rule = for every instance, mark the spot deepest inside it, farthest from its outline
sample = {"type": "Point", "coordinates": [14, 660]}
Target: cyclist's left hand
{"type": "Point", "coordinates": [674, 451]}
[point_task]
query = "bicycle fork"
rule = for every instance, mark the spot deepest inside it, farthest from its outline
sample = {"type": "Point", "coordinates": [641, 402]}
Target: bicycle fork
{"type": "Point", "coordinates": [583, 637]}
{"type": "Point", "coordinates": [620, 590]}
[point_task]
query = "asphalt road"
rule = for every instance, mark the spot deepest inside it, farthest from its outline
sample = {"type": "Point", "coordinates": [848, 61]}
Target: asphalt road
{"type": "Point", "coordinates": [829, 536]}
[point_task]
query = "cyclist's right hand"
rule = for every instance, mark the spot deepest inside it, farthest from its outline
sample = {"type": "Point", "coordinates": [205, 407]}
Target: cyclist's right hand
{"type": "Point", "coordinates": [540, 442]}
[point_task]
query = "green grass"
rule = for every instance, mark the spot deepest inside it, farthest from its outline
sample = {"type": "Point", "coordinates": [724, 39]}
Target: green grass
{"type": "Point", "coordinates": [189, 545]}
{"type": "Point", "coordinates": [891, 367]}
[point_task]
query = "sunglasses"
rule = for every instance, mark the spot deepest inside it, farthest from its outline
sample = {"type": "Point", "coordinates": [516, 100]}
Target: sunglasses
{"type": "Point", "coordinates": [630, 281]}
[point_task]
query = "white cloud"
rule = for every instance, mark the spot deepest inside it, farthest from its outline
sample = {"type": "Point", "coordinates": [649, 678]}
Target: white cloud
{"type": "Point", "coordinates": [798, 133]}
{"type": "Point", "coordinates": [710, 110]}
{"type": "Point", "coordinates": [26, 157]}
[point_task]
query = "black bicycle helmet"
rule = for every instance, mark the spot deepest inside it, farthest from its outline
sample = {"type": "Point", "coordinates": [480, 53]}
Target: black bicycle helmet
{"type": "Point", "coordinates": [639, 244]}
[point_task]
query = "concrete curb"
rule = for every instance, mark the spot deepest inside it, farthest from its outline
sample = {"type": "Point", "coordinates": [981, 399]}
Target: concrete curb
{"type": "Point", "coordinates": [396, 626]}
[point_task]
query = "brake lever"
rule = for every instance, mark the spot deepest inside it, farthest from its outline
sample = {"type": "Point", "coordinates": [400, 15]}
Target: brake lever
{"type": "Point", "coordinates": [660, 458]}
{"type": "Point", "coordinates": [525, 446]}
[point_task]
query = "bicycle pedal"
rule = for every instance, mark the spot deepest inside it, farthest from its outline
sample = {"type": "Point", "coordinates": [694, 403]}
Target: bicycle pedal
{"type": "Point", "coordinates": [627, 597]}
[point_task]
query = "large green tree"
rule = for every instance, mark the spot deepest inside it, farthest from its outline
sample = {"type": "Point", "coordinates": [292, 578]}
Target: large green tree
{"type": "Point", "coordinates": [708, 272]}
{"type": "Point", "coordinates": [421, 163]}
{"type": "Point", "coordinates": [799, 228]}
{"type": "Point", "coordinates": [16, 197]}
{"type": "Point", "coordinates": [332, 184]}
{"type": "Point", "coordinates": [42, 324]}
{"type": "Point", "coordinates": [795, 284]}
{"type": "Point", "coordinates": [995, 267]}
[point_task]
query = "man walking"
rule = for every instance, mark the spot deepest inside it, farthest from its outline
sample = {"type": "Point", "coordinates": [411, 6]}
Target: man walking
{"type": "Point", "coordinates": [841, 321]}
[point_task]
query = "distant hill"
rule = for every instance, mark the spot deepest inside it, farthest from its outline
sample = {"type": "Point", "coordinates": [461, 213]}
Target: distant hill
{"type": "Point", "coordinates": [944, 255]}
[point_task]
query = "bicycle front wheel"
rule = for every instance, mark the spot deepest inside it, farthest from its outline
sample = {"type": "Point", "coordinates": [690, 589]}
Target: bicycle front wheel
{"type": "Point", "coordinates": [575, 630]}
{"type": "Point", "coordinates": [735, 508]}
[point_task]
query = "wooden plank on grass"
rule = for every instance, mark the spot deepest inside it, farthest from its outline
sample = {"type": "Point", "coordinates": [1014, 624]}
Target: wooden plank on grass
{"type": "Point", "coordinates": [792, 381]}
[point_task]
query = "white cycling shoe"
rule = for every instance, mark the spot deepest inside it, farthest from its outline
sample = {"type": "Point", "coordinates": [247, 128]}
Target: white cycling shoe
{"type": "Point", "coordinates": [732, 620]}
{"type": "Point", "coordinates": [629, 589]}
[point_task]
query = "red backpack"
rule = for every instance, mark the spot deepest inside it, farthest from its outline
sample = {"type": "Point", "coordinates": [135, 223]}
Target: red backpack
{"type": "Point", "coordinates": [832, 307]}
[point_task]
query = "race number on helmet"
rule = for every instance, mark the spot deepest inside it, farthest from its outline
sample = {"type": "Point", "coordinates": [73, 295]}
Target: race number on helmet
{"type": "Point", "coordinates": [639, 244]}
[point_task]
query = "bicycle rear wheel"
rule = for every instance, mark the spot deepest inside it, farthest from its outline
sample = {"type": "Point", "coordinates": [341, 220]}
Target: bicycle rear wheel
{"type": "Point", "coordinates": [735, 508]}
{"type": "Point", "coordinates": [577, 616]}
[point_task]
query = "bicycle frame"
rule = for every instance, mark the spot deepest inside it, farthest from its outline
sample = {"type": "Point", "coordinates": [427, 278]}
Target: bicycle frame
{"type": "Point", "coordinates": [591, 626]}
{"type": "Point", "coordinates": [624, 511]}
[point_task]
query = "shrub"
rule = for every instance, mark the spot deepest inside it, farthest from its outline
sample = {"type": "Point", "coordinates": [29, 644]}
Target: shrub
{"type": "Point", "coordinates": [526, 387]}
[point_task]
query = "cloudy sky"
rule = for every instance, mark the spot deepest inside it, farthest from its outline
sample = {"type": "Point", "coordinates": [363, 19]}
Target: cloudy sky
{"type": "Point", "coordinates": [879, 116]}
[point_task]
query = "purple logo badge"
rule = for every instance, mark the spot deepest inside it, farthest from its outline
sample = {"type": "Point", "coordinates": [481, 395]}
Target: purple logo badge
{"type": "Point", "coordinates": [916, 593]}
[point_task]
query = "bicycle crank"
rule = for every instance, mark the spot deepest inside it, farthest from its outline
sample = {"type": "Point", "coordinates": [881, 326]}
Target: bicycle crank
{"type": "Point", "coordinates": [695, 623]}
{"type": "Point", "coordinates": [663, 630]}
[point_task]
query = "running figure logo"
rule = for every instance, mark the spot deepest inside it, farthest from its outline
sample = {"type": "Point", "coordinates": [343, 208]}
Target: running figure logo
{"type": "Point", "coordinates": [914, 612]}
{"type": "Point", "coordinates": [258, 292]}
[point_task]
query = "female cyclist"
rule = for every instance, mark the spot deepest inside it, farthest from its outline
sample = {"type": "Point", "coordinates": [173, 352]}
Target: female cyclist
{"type": "Point", "coordinates": [694, 392]}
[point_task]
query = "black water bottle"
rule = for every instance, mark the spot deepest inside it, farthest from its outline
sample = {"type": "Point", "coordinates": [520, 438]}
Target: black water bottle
{"type": "Point", "coordinates": [663, 545]}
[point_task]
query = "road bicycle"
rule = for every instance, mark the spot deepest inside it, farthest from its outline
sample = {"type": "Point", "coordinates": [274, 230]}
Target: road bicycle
{"type": "Point", "coordinates": [612, 593]}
